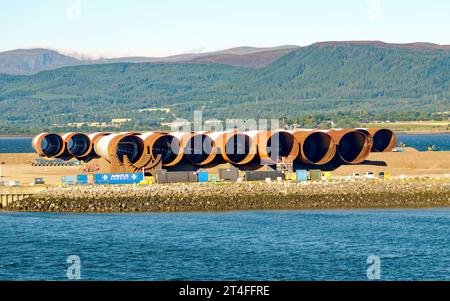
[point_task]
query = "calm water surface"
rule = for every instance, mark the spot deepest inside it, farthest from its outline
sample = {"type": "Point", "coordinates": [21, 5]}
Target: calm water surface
{"type": "Point", "coordinates": [250, 245]}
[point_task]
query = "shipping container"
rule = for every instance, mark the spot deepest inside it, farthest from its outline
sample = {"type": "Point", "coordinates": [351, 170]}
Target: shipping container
{"type": "Point", "coordinates": [82, 179]}
{"type": "Point", "coordinates": [301, 175]}
{"type": "Point", "coordinates": [228, 174]}
{"type": "Point", "coordinates": [160, 176]}
{"type": "Point", "coordinates": [202, 176]}
{"type": "Point", "coordinates": [327, 175]}
{"type": "Point", "coordinates": [263, 175]}
{"type": "Point", "coordinates": [315, 175]}
{"type": "Point", "coordinates": [164, 176]}
{"type": "Point", "coordinates": [68, 180]}
{"type": "Point", "coordinates": [149, 180]}
{"type": "Point", "coordinates": [118, 178]}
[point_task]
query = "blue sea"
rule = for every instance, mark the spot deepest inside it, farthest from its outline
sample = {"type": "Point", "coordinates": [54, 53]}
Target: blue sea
{"type": "Point", "coordinates": [419, 141]}
{"type": "Point", "coordinates": [247, 245]}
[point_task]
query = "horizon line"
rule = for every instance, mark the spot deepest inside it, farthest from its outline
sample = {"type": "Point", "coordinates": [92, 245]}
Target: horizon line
{"type": "Point", "coordinates": [92, 56]}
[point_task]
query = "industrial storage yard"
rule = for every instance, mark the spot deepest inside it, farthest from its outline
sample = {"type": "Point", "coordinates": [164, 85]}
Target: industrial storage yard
{"type": "Point", "coordinates": [404, 178]}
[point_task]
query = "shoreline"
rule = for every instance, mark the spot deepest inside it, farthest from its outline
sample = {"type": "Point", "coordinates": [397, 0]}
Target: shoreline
{"type": "Point", "coordinates": [392, 194]}
{"type": "Point", "coordinates": [238, 210]}
{"type": "Point", "coordinates": [397, 132]}
{"type": "Point", "coordinates": [423, 132]}
{"type": "Point", "coordinates": [16, 136]}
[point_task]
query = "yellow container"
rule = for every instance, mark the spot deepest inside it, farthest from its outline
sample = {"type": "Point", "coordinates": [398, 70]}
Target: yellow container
{"type": "Point", "coordinates": [327, 175]}
{"type": "Point", "coordinates": [150, 180]}
{"type": "Point", "coordinates": [294, 177]}
{"type": "Point", "coordinates": [387, 176]}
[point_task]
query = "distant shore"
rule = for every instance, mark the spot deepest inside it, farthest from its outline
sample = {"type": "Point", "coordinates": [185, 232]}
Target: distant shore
{"type": "Point", "coordinates": [241, 196]}
{"type": "Point", "coordinates": [423, 132]}
{"type": "Point", "coordinates": [398, 132]}
{"type": "Point", "coordinates": [16, 136]}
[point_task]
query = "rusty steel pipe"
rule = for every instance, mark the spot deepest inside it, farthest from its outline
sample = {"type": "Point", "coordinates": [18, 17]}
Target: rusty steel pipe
{"type": "Point", "coordinates": [261, 140]}
{"type": "Point", "coordinates": [272, 146]}
{"type": "Point", "coordinates": [116, 146]}
{"type": "Point", "coordinates": [316, 147]}
{"type": "Point", "coordinates": [147, 139]}
{"type": "Point", "coordinates": [200, 149]}
{"type": "Point", "coordinates": [353, 147]}
{"type": "Point", "coordinates": [238, 147]}
{"type": "Point", "coordinates": [48, 145]}
{"type": "Point", "coordinates": [94, 137]}
{"type": "Point", "coordinates": [162, 144]}
{"type": "Point", "coordinates": [77, 145]}
{"type": "Point", "coordinates": [219, 140]}
{"type": "Point", "coordinates": [170, 146]}
{"type": "Point", "coordinates": [383, 140]}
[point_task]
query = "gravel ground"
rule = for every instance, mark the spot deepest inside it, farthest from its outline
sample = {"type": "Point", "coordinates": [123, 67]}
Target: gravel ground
{"type": "Point", "coordinates": [240, 196]}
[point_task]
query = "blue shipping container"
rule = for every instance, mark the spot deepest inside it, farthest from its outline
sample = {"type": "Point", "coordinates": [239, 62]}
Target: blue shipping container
{"type": "Point", "coordinates": [302, 175]}
{"type": "Point", "coordinates": [118, 178]}
{"type": "Point", "coordinates": [202, 176]}
{"type": "Point", "coordinates": [82, 179]}
{"type": "Point", "coordinates": [68, 180]}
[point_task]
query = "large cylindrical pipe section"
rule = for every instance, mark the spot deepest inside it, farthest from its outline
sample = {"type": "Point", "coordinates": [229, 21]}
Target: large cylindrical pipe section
{"type": "Point", "coordinates": [117, 146]}
{"type": "Point", "coordinates": [147, 139]}
{"type": "Point", "coordinates": [200, 149]}
{"type": "Point", "coordinates": [169, 146]}
{"type": "Point", "coordinates": [353, 147]}
{"type": "Point", "coordinates": [274, 146]}
{"type": "Point", "coordinates": [94, 137]}
{"type": "Point", "coordinates": [316, 147]}
{"type": "Point", "coordinates": [238, 148]}
{"type": "Point", "coordinates": [77, 145]}
{"type": "Point", "coordinates": [178, 144]}
{"type": "Point", "coordinates": [48, 145]}
{"type": "Point", "coordinates": [383, 140]}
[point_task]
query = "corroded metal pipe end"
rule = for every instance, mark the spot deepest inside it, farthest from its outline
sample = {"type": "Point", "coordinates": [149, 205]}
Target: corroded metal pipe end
{"type": "Point", "coordinates": [384, 140]}
{"type": "Point", "coordinates": [48, 145]}
{"type": "Point", "coordinates": [239, 148]}
{"type": "Point", "coordinates": [200, 149]}
{"type": "Point", "coordinates": [317, 147]}
{"type": "Point", "coordinates": [116, 146]}
{"type": "Point", "coordinates": [277, 145]}
{"type": "Point", "coordinates": [353, 147]}
{"type": "Point", "coordinates": [77, 145]}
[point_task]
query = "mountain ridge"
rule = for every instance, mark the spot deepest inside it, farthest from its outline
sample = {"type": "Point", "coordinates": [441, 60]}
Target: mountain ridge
{"type": "Point", "coordinates": [314, 83]}
{"type": "Point", "coordinates": [32, 61]}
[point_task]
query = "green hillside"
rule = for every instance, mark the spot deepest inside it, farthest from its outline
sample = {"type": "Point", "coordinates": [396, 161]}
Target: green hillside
{"type": "Point", "coordinates": [310, 86]}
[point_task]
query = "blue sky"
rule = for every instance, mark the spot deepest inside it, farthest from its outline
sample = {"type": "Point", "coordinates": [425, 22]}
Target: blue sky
{"type": "Point", "coordinates": [159, 28]}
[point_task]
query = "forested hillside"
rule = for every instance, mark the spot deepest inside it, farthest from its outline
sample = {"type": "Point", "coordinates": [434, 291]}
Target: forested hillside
{"type": "Point", "coordinates": [343, 83]}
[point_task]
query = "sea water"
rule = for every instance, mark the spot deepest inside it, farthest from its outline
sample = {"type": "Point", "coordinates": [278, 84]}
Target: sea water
{"type": "Point", "coordinates": [246, 245]}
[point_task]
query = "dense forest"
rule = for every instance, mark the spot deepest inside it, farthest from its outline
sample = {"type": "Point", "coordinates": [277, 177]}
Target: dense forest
{"type": "Point", "coordinates": [312, 86]}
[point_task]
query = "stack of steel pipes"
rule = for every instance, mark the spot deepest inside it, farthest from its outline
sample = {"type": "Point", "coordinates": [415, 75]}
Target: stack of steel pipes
{"type": "Point", "coordinates": [309, 146]}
